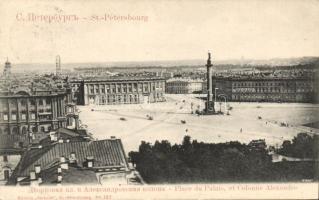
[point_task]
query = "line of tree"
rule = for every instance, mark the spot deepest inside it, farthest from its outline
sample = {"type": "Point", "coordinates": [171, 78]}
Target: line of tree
{"type": "Point", "coordinates": [194, 161]}
{"type": "Point", "coordinates": [301, 146]}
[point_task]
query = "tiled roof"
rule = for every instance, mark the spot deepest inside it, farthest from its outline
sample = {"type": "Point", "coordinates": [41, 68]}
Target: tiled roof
{"type": "Point", "coordinates": [64, 132]}
{"type": "Point", "coordinates": [106, 153]}
{"type": "Point", "coordinates": [12, 141]}
{"type": "Point", "coordinates": [73, 175]}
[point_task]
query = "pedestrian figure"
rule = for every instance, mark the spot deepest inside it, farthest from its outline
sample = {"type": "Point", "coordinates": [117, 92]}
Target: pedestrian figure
{"type": "Point", "coordinates": [241, 130]}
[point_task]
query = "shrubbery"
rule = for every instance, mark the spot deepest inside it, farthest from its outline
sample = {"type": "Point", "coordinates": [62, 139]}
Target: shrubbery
{"type": "Point", "coordinates": [301, 146]}
{"type": "Point", "coordinates": [194, 161]}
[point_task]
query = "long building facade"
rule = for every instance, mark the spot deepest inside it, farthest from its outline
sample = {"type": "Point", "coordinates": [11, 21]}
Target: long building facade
{"type": "Point", "coordinates": [266, 89]}
{"type": "Point", "coordinates": [118, 91]}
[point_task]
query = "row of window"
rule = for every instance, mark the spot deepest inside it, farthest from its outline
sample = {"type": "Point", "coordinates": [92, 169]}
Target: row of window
{"type": "Point", "coordinates": [251, 97]}
{"type": "Point", "coordinates": [24, 131]}
{"type": "Point", "coordinates": [270, 90]}
{"type": "Point", "coordinates": [115, 90]}
{"type": "Point", "coordinates": [112, 99]}
{"type": "Point", "coordinates": [176, 84]}
{"type": "Point", "coordinates": [23, 115]}
{"type": "Point", "coordinates": [121, 88]}
{"type": "Point", "coordinates": [23, 102]}
{"type": "Point", "coordinates": [262, 84]}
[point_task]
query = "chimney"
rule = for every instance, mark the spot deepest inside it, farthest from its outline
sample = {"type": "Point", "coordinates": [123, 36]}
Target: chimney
{"type": "Point", "coordinates": [113, 137]}
{"type": "Point", "coordinates": [59, 178]}
{"type": "Point", "coordinates": [90, 161]}
{"type": "Point", "coordinates": [62, 159]}
{"type": "Point", "coordinates": [64, 165]}
{"type": "Point", "coordinates": [39, 180]}
{"type": "Point", "coordinates": [72, 159]}
{"type": "Point", "coordinates": [77, 124]}
{"type": "Point", "coordinates": [53, 136]}
{"type": "Point", "coordinates": [32, 176]}
{"type": "Point", "coordinates": [37, 169]}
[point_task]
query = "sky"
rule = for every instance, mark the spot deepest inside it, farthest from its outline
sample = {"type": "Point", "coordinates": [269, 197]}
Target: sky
{"type": "Point", "coordinates": [174, 30]}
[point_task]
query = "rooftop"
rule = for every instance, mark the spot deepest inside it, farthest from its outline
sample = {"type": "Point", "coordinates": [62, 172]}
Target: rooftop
{"type": "Point", "coordinates": [190, 80]}
{"type": "Point", "coordinates": [33, 86]}
{"type": "Point", "coordinates": [106, 153]}
{"type": "Point", "coordinates": [13, 143]}
{"type": "Point", "coordinates": [117, 78]}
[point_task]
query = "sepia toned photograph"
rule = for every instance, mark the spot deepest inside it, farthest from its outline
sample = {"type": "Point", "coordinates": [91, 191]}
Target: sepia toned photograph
{"type": "Point", "coordinates": [129, 100]}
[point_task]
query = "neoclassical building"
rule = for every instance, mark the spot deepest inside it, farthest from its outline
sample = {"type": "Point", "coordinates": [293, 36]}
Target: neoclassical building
{"type": "Point", "coordinates": [184, 86]}
{"type": "Point", "coordinates": [267, 89]}
{"type": "Point", "coordinates": [25, 110]}
{"type": "Point", "coordinates": [118, 90]}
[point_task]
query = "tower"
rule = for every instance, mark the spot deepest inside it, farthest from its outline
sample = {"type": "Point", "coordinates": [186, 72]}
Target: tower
{"type": "Point", "coordinates": [210, 108]}
{"type": "Point", "coordinates": [58, 65]}
{"type": "Point", "coordinates": [7, 69]}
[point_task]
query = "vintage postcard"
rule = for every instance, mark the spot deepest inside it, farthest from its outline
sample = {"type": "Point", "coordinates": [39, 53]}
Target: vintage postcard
{"type": "Point", "coordinates": [159, 100]}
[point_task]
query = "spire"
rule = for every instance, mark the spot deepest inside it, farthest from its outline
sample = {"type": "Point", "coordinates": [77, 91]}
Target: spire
{"type": "Point", "coordinates": [58, 65]}
{"type": "Point", "coordinates": [7, 68]}
{"type": "Point", "coordinates": [209, 62]}
{"type": "Point", "coordinates": [7, 62]}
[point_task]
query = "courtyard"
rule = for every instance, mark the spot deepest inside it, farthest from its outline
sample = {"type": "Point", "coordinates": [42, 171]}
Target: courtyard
{"type": "Point", "coordinates": [172, 120]}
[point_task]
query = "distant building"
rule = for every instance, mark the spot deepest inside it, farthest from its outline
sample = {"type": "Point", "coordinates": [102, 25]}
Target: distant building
{"type": "Point", "coordinates": [266, 89]}
{"type": "Point", "coordinates": [93, 70]}
{"type": "Point", "coordinates": [184, 86]}
{"type": "Point", "coordinates": [7, 69]}
{"type": "Point", "coordinates": [118, 90]}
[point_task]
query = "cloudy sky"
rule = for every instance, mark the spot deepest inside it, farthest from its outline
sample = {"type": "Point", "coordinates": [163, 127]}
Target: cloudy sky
{"type": "Point", "coordinates": [175, 30]}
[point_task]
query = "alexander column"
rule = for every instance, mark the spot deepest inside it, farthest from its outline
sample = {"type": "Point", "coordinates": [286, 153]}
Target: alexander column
{"type": "Point", "coordinates": [210, 108]}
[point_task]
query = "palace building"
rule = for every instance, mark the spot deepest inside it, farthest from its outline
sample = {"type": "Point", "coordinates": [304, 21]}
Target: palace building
{"type": "Point", "coordinates": [118, 90]}
{"type": "Point", "coordinates": [33, 103]}
{"type": "Point", "coordinates": [32, 110]}
{"type": "Point", "coordinates": [266, 89]}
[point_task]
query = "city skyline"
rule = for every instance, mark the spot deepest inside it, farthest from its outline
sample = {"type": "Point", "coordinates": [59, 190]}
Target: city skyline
{"type": "Point", "coordinates": [174, 31]}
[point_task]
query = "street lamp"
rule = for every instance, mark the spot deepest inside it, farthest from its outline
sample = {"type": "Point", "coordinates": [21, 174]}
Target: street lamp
{"type": "Point", "coordinates": [215, 93]}
{"type": "Point", "coordinates": [225, 98]}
